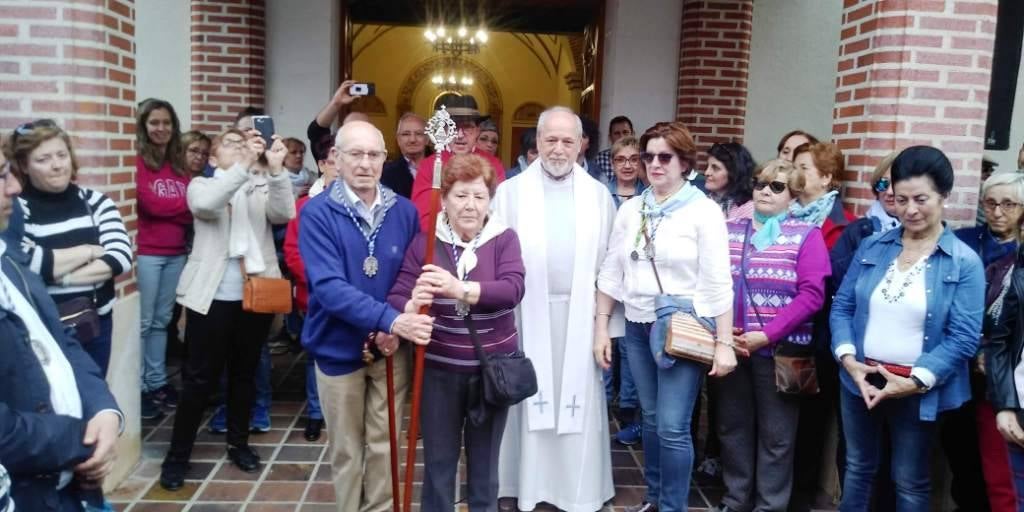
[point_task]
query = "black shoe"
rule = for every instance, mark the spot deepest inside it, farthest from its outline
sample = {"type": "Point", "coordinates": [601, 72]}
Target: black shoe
{"type": "Point", "coordinates": [244, 457]}
{"type": "Point", "coordinates": [172, 474]}
{"type": "Point", "coordinates": [149, 408]}
{"type": "Point", "coordinates": [313, 428]}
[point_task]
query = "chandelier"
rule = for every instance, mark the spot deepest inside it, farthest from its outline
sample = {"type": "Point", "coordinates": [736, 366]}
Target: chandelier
{"type": "Point", "coordinates": [450, 82]}
{"type": "Point", "coordinates": [455, 42]}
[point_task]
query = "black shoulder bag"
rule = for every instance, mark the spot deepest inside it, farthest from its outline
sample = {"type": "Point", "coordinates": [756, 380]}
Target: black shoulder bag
{"type": "Point", "coordinates": [507, 378]}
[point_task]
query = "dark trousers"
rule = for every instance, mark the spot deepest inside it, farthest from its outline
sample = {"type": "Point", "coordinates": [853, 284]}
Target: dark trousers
{"type": "Point", "coordinates": [958, 431]}
{"type": "Point", "coordinates": [98, 348]}
{"type": "Point", "coordinates": [757, 428]}
{"type": "Point", "coordinates": [815, 413]}
{"type": "Point", "coordinates": [224, 337]}
{"type": "Point", "coordinates": [446, 426]}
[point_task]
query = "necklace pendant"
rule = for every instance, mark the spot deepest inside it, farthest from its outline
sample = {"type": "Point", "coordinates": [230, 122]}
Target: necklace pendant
{"type": "Point", "coordinates": [370, 266]}
{"type": "Point", "coordinates": [461, 309]}
{"type": "Point", "coordinates": [635, 256]}
{"type": "Point", "coordinates": [649, 252]}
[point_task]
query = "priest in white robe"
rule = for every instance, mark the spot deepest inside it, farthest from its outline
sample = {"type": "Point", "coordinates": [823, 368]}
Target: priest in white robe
{"type": "Point", "coordinates": [556, 443]}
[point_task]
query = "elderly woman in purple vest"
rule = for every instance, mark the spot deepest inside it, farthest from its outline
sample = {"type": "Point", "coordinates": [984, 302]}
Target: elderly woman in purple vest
{"type": "Point", "coordinates": [478, 276]}
{"type": "Point", "coordinates": [779, 265]}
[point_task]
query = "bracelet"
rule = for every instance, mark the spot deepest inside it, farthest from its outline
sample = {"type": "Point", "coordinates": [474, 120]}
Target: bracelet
{"type": "Point", "coordinates": [726, 343]}
{"type": "Point", "coordinates": [609, 315]}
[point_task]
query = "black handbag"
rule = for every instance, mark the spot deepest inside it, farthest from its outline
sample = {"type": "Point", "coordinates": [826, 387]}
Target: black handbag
{"type": "Point", "coordinates": [81, 316]}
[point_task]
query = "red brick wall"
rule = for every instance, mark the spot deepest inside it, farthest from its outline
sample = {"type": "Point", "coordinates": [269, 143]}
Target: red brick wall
{"type": "Point", "coordinates": [714, 57]}
{"type": "Point", "coordinates": [74, 62]}
{"type": "Point", "coordinates": [228, 39]}
{"type": "Point", "coordinates": [914, 72]}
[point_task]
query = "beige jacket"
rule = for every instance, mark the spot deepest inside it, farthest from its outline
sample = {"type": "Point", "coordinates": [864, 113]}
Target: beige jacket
{"type": "Point", "coordinates": [271, 203]}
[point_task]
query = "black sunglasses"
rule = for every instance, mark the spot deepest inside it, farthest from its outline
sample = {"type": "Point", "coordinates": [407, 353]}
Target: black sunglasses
{"type": "Point", "coordinates": [882, 185]}
{"type": "Point", "coordinates": [663, 158]}
{"type": "Point", "coordinates": [777, 187]}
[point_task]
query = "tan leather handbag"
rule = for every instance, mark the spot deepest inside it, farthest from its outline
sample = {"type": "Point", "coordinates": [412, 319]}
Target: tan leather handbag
{"type": "Point", "coordinates": [266, 294]}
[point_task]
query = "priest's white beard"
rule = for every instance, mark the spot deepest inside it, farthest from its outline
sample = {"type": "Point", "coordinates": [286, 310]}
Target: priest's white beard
{"type": "Point", "coordinates": [557, 168]}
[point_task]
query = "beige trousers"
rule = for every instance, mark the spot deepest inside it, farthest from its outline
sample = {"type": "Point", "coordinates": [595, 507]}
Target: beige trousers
{"type": "Point", "coordinates": [356, 413]}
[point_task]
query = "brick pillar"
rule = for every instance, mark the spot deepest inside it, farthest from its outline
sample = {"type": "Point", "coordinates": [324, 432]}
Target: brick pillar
{"type": "Point", "coordinates": [74, 61]}
{"type": "Point", "coordinates": [714, 58]}
{"type": "Point", "coordinates": [227, 61]}
{"type": "Point", "coordinates": [914, 72]}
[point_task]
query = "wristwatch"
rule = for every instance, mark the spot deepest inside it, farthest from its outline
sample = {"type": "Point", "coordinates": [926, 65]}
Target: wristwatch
{"type": "Point", "coordinates": [921, 387]}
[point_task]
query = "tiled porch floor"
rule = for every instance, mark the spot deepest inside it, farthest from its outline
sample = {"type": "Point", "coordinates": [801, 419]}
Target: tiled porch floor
{"type": "Point", "coordinates": [296, 474]}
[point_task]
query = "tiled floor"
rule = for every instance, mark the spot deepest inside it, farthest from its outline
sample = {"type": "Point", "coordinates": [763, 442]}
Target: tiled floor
{"type": "Point", "coordinates": [296, 475]}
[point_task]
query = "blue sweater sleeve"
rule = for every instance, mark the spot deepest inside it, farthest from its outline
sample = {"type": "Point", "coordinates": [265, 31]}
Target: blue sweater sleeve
{"type": "Point", "coordinates": [323, 252]}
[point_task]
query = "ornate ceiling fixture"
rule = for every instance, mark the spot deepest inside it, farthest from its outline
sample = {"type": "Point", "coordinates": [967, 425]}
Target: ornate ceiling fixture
{"type": "Point", "coordinates": [451, 82]}
{"type": "Point", "coordinates": [455, 42]}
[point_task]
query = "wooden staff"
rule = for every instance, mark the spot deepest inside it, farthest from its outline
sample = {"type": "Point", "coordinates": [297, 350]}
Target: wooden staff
{"type": "Point", "coordinates": [392, 431]}
{"type": "Point", "coordinates": [441, 130]}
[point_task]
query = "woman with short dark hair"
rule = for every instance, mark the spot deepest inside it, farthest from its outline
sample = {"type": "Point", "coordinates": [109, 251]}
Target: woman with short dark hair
{"type": "Point", "coordinates": [477, 276]}
{"type": "Point", "coordinates": [728, 179]}
{"type": "Point", "coordinates": [905, 323]}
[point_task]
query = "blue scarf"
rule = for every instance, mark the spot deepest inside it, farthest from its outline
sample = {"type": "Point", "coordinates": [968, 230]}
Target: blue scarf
{"type": "Point", "coordinates": [683, 197]}
{"type": "Point", "coordinates": [816, 212]}
{"type": "Point", "coordinates": [771, 228]}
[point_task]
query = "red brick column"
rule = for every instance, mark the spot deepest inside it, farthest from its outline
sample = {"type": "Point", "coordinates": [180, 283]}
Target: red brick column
{"type": "Point", "coordinates": [714, 56]}
{"type": "Point", "coordinates": [914, 72]}
{"type": "Point", "coordinates": [74, 62]}
{"type": "Point", "coordinates": [227, 60]}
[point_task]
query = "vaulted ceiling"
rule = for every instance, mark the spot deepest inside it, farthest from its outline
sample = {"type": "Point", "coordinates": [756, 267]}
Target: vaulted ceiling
{"type": "Point", "coordinates": [538, 16]}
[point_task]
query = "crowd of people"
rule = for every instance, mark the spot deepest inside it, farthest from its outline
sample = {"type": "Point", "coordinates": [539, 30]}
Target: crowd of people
{"type": "Point", "coordinates": [902, 330]}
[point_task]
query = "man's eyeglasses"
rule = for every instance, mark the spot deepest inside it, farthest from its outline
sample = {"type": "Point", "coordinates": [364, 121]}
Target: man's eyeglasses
{"type": "Point", "coordinates": [777, 187]}
{"type": "Point", "coordinates": [488, 139]}
{"type": "Point", "coordinates": [663, 158]}
{"type": "Point", "coordinates": [358, 156]}
{"type": "Point", "coordinates": [621, 160]}
{"type": "Point", "coordinates": [1007, 206]}
{"type": "Point", "coordinates": [882, 185]}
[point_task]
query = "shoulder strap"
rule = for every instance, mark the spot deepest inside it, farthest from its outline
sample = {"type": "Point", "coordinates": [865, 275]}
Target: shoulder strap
{"type": "Point", "coordinates": [743, 271]}
{"type": "Point", "coordinates": [473, 335]}
{"type": "Point", "coordinates": [657, 278]}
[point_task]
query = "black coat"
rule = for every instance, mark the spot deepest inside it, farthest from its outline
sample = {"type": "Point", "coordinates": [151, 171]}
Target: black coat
{"type": "Point", "coordinates": [35, 443]}
{"type": "Point", "coordinates": [396, 176]}
{"type": "Point", "coordinates": [1005, 342]}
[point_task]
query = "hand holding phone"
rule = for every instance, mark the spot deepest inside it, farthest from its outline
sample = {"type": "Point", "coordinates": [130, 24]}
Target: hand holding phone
{"type": "Point", "coordinates": [265, 125]}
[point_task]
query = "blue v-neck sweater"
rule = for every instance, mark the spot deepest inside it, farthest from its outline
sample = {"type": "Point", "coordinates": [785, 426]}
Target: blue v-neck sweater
{"type": "Point", "coordinates": [344, 304]}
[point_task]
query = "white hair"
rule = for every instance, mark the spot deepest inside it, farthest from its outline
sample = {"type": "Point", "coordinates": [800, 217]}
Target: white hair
{"type": "Point", "coordinates": [408, 115]}
{"type": "Point", "coordinates": [347, 128]}
{"type": "Point", "coordinates": [564, 110]}
{"type": "Point", "coordinates": [1013, 178]}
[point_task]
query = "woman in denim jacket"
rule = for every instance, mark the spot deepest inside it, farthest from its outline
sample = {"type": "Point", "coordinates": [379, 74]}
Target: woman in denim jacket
{"type": "Point", "coordinates": [905, 322]}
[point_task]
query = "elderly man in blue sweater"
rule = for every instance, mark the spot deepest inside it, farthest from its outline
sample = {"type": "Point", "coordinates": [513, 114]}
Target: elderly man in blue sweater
{"type": "Point", "coordinates": [352, 239]}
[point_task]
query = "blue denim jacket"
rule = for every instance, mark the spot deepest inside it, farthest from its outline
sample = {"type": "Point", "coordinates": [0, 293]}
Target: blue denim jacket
{"type": "Point", "coordinates": [955, 281]}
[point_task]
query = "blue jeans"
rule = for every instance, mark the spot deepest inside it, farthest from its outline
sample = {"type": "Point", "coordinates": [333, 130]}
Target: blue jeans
{"type": "Point", "coordinates": [312, 394]}
{"type": "Point", "coordinates": [910, 457]}
{"type": "Point", "coordinates": [158, 279]}
{"type": "Point", "coordinates": [627, 389]}
{"type": "Point", "coordinates": [1017, 468]}
{"type": "Point", "coordinates": [99, 347]}
{"type": "Point", "coordinates": [667, 397]}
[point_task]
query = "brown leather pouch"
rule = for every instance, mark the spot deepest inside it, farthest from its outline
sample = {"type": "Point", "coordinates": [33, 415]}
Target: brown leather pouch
{"type": "Point", "coordinates": [266, 294]}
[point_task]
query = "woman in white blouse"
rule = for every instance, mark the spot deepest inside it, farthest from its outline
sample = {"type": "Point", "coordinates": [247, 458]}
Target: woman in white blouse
{"type": "Point", "coordinates": [689, 245]}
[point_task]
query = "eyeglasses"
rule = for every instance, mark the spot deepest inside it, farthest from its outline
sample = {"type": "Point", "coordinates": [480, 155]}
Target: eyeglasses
{"type": "Point", "coordinates": [882, 185]}
{"type": "Point", "coordinates": [488, 139]}
{"type": "Point", "coordinates": [197, 152]}
{"type": "Point", "coordinates": [663, 158]}
{"type": "Point", "coordinates": [358, 156]}
{"type": "Point", "coordinates": [409, 133]}
{"type": "Point", "coordinates": [621, 160]}
{"type": "Point", "coordinates": [1007, 206]}
{"type": "Point", "coordinates": [232, 143]}
{"type": "Point", "coordinates": [777, 187]}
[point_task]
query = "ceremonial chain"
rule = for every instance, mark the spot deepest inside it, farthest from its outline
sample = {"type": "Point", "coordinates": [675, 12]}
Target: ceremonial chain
{"type": "Point", "coordinates": [649, 247]}
{"type": "Point", "coordinates": [370, 264]}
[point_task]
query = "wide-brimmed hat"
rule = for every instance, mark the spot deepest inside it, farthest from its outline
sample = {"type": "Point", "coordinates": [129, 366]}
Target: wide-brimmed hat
{"type": "Point", "coordinates": [461, 108]}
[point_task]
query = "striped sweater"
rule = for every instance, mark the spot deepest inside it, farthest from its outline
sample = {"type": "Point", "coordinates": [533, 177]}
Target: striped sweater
{"type": "Point", "coordinates": [786, 281]}
{"type": "Point", "coordinates": [63, 220]}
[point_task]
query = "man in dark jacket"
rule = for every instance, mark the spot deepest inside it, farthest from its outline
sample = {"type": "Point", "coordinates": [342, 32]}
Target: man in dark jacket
{"type": "Point", "coordinates": [58, 421]}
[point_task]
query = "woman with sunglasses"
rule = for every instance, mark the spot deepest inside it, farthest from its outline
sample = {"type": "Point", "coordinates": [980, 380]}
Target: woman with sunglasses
{"type": "Point", "coordinates": [676, 226]}
{"type": "Point", "coordinates": [727, 179]}
{"type": "Point", "coordinates": [74, 236]}
{"type": "Point", "coordinates": [779, 269]}
{"type": "Point", "coordinates": [164, 223]}
{"type": "Point", "coordinates": [905, 323]}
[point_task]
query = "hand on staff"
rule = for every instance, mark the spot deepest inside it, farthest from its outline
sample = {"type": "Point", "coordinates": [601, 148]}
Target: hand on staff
{"type": "Point", "coordinates": [895, 387]}
{"type": "Point", "coordinates": [1009, 427]}
{"type": "Point", "coordinates": [386, 343]}
{"type": "Point", "coordinates": [413, 327]}
{"type": "Point", "coordinates": [438, 281]}
{"type": "Point", "coordinates": [275, 155]}
{"type": "Point", "coordinates": [420, 298]}
{"type": "Point", "coordinates": [724, 361]}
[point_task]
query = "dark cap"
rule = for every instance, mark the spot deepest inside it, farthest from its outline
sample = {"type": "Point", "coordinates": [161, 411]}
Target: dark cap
{"type": "Point", "coordinates": [461, 108]}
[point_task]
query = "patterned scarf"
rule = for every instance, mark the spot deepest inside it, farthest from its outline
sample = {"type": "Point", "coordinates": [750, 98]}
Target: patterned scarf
{"type": "Point", "coordinates": [815, 212]}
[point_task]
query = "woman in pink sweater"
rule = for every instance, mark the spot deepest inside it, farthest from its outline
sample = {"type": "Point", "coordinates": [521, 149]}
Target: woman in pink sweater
{"type": "Point", "coordinates": [164, 219]}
